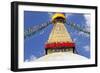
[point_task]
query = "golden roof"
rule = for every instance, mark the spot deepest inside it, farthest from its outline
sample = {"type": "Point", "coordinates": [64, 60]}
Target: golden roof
{"type": "Point", "coordinates": [58, 15]}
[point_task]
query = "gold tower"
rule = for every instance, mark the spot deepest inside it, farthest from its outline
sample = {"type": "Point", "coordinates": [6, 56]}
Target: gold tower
{"type": "Point", "coordinates": [59, 39]}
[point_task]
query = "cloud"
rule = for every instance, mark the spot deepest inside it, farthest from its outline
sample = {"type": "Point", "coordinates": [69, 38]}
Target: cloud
{"type": "Point", "coordinates": [88, 18]}
{"type": "Point", "coordinates": [32, 58]}
{"type": "Point", "coordinates": [87, 25]}
{"type": "Point", "coordinates": [88, 22]}
{"type": "Point", "coordinates": [83, 34]}
{"type": "Point", "coordinates": [87, 48]}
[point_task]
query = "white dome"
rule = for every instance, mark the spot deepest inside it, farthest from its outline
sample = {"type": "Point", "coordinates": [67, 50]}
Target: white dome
{"type": "Point", "coordinates": [61, 56]}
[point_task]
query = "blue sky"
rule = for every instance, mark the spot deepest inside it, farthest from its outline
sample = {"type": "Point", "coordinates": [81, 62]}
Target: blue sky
{"type": "Point", "coordinates": [34, 46]}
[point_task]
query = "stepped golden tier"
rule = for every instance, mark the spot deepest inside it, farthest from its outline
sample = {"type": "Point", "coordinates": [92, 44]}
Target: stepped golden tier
{"type": "Point", "coordinates": [59, 39]}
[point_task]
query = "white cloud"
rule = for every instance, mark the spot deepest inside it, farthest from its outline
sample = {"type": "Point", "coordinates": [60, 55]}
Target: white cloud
{"type": "Point", "coordinates": [87, 48]}
{"type": "Point", "coordinates": [32, 58]}
{"type": "Point", "coordinates": [83, 34]}
{"type": "Point", "coordinates": [88, 21]}
{"type": "Point", "coordinates": [87, 25]}
{"type": "Point", "coordinates": [88, 18]}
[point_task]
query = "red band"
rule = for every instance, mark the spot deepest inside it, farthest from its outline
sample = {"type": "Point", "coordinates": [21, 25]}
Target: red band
{"type": "Point", "coordinates": [55, 45]}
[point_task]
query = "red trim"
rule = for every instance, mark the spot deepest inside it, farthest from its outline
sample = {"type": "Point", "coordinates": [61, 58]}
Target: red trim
{"type": "Point", "coordinates": [55, 45]}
